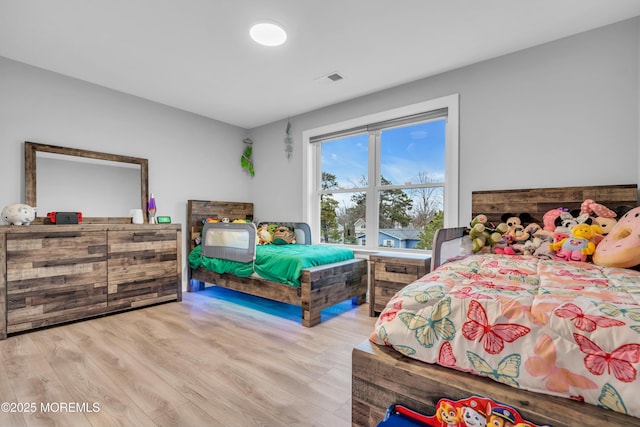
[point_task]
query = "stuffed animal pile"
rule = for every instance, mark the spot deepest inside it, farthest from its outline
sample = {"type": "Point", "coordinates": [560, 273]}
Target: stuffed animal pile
{"type": "Point", "coordinates": [593, 233]}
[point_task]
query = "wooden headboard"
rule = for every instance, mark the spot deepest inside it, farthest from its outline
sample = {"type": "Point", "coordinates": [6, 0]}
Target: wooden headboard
{"type": "Point", "coordinates": [537, 201]}
{"type": "Point", "coordinates": [197, 210]}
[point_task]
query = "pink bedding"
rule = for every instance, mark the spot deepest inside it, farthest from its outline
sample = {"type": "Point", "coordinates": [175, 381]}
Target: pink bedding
{"type": "Point", "coordinates": [565, 329]}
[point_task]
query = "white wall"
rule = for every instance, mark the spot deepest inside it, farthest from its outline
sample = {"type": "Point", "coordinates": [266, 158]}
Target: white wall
{"type": "Point", "coordinates": [190, 156]}
{"type": "Point", "coordinates": [560, 114]}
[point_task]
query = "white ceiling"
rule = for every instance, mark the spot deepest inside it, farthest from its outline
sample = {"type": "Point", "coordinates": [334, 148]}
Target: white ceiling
{"type": "Point", "coordinates": [196, 55]}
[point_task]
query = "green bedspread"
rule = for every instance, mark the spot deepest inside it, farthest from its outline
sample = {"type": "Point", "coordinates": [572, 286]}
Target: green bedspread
{"type": "Point", "coordinates": [277, 263]}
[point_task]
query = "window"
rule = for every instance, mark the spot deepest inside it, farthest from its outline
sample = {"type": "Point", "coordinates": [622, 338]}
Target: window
{"type": "Point", "coordinates": [398, 168]}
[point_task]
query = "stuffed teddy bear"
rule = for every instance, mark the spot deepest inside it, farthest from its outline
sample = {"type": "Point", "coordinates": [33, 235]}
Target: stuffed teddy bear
{"type": "Point", "coordinates": [265, 237]}
{"type": "Point", "coordinates": [283, 236]}
{"type": "Point", "coordinates": [579, 245]}
{"type": "Point", "coordinates": [18, 214]}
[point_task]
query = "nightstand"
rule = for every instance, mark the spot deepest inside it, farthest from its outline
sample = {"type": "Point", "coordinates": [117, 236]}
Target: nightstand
{"type": "Point", "coordinates": [391, 272]}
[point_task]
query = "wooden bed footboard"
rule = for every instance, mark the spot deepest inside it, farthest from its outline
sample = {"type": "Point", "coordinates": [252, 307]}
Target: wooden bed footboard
{"type": "Point", "coordinates": [320, 287]}
{"type": "Point", "coordinates": [327, 285]}
{"type": "Point", "coordinates": [381, 377]}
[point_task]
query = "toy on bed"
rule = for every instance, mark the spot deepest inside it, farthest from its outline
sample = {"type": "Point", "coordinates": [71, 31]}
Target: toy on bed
{"type": "Point", "coordinates": [483, 234]}
{"type": "Point", "coordinates": [574, 241]}
{"type": "Point", "coordinates": [284, 236]}
{"type": "Point", "coordinates": [265, 236]}
{"type": "Point", "coordinates": [518, 238]}
{"type": "Point", "coordinates": [621, 247]}
{"type": "Point", "coordinates": [514, 235]}
{"type": "Point", "coordinates": [277, 234]}
{"type": "Point", "coordinates": [600, 214]}
{"type": "Point", "coordinates": [516, 226]}
{"type": "Point", "coordinates": [579, 245]}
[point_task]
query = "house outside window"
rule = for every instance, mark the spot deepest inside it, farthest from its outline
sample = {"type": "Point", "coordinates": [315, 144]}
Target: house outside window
{"type": "Point", "coordinates": [384, 181]}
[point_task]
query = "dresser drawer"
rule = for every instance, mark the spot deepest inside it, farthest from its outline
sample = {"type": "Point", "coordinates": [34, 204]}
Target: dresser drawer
{"type": "Point", "coordinates": [142, 267]}
{"type": "Point", "coordinates": [398, 271]}
{"type": "Point", "coordinates": [55, 277]}
{"type": "Point", "coordinates": [26, 252]}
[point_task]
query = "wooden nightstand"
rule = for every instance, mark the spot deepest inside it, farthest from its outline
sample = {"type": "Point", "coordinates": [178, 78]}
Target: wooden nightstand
{"type": "Point", "coordinates": [392, 272]}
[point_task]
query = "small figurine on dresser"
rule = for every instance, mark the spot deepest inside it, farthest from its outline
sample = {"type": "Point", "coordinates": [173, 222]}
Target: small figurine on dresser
{"type": "Point", "coordinates": [18, 214]}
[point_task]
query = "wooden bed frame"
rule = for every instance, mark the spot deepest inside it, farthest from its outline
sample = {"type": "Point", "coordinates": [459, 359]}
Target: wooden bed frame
{"type": "Point", "coordinates": [381, 376]}
{"type": "Point", "coordinates": [320, 287]}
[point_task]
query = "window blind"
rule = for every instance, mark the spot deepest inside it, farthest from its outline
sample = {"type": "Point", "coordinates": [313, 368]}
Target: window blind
{"type": "Point", "coordinates": [399, 121]}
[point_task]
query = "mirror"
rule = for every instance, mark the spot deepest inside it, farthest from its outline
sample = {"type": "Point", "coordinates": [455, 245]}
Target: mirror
{"type": "Point", "coordinates": [103, 186]}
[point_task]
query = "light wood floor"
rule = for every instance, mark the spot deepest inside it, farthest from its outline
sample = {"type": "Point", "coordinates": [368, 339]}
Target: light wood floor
{"type": "Point", "coordinates": [215, 359]}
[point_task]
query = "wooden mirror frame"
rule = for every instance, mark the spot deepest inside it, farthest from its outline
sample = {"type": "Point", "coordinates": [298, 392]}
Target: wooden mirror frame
{"type": "Point", "coordinates": [30, 175]}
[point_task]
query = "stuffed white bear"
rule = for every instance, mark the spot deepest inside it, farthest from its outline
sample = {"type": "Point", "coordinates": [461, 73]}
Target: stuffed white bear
{"type": "Point", "coordinates": [18, 214]}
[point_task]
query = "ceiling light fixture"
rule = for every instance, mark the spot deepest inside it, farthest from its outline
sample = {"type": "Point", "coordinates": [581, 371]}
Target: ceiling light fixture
{"type": "Point", "coordinates": [268, 34]}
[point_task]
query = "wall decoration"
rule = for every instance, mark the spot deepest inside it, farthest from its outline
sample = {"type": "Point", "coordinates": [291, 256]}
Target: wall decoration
{"type": "Point", "coordinates": [245, 161]}
{"type": "Point", "coordinates": [288, 141]}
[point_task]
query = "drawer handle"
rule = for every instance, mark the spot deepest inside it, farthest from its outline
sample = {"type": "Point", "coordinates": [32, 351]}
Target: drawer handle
{"type": "Point", "coordinates": [395, 269]}
{"type": "Point", "coordinates": [137, 257]}
{"type": "Point", "coordinates": [59, 264]}
{"type": "Point", "coordinates": [144, 233]}
{"type": "Point", "coordinates": [61, 235]}
{"type": "Point", "coordinates": [143, 281]}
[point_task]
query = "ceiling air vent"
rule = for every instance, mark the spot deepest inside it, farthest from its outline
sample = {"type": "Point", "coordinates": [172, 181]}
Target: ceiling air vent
{"type": "Point", "coordinates": [329, 78]}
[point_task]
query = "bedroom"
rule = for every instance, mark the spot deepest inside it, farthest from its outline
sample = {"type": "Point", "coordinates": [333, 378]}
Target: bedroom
{"type": "Point", "coordinates": [520, 91]}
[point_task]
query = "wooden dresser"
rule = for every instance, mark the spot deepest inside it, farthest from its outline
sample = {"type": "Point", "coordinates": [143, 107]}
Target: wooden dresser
{"type": "Point", "coordinates": [51, 274]}
{"type": "Point", "coordinates": [391, 272]}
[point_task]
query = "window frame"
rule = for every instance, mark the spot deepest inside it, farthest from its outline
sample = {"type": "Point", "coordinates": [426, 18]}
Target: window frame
{"type": "Point", "coordinates": [312, 165]}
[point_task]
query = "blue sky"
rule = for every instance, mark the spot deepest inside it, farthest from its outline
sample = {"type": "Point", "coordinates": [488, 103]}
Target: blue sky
{"type": "Point", "coordinates": [405, 152]}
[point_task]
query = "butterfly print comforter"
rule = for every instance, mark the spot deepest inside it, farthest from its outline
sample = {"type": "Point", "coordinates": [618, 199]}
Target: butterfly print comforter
{"type": "Point", "coordinates": [565, 329]}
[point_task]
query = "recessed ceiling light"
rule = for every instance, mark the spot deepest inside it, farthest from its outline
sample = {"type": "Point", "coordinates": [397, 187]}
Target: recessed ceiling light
{"type": "Point", "coordinates": [268, 34]}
